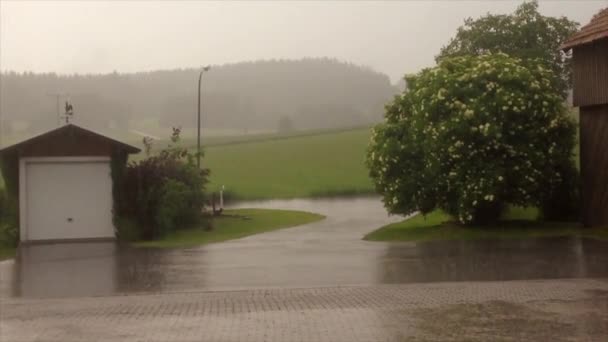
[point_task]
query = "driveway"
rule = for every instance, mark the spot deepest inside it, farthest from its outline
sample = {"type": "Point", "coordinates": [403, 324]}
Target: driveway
{"type": "Point", "coordinates": [547, 310]}
{"type": "Point", "coordinates": [318, 282]}
{"type": "Point", "coordinates": [322, 254]}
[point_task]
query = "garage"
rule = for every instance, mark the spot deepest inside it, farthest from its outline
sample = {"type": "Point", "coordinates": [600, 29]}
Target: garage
{"type": "Point", "coordinates": [62, 182]}
{"type": "Point", "coordinates": [56, 211]}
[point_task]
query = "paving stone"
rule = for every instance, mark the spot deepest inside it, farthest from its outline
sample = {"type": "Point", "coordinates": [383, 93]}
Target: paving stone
{"type": "Point", "coordinates": [543, 310]}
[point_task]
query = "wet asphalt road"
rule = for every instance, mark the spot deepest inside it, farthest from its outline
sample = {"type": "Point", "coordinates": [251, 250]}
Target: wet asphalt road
{"type": "Point", "coordinates": [323, 254]}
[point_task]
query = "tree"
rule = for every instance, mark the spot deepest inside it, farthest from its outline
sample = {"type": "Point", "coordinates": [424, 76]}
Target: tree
{"type": "Point", "coordinates": [525, 34]}
{"type": "Point", "coordinates": [471, 135]}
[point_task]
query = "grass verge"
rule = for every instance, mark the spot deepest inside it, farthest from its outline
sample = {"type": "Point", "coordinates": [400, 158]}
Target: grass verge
{"type": "Point", "coordinates": [230, 227]}
{"type": "Point", "coordinates": [518, 224]}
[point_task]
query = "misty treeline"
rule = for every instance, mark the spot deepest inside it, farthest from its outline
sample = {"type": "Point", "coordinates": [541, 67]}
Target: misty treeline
{"type": "Point", "coordinates": [307, 93]}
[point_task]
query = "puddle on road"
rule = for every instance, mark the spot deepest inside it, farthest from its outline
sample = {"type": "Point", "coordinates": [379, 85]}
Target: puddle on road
{"type": "Point", "coordinates": [326, 253]}
{"type": "Point", "coordinates": [93, 269]}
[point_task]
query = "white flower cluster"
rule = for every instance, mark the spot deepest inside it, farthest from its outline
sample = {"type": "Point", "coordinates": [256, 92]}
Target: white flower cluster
{"type": "Point", "coordinates": [477, 149]}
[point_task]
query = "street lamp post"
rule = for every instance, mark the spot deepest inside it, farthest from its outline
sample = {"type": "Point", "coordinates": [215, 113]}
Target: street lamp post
{"type": "Point", "coordinates": [198, 125]}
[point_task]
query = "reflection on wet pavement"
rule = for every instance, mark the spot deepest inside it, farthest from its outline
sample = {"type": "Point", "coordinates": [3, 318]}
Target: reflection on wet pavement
{"type": "Point", "coordinates": [548, 258]}
{"type": "Point", "coordinates": [325, 253]}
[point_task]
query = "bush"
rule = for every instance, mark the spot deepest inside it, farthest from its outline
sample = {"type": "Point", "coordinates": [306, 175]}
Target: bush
{"type": "Point", "coordinates": [162, 193]}
{"type": "Point", "coordinates": [471, 135]}
{"type": "Point", "coordinates": [127, 229]}
{"type": "Point", "coordinates": [9, 231]}
{"type": "Point", "coordinates": [174, 206]}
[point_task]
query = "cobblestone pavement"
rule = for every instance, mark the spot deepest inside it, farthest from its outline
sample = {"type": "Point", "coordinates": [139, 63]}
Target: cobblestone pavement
{"type": "Point", "coordinates": [542, 310]}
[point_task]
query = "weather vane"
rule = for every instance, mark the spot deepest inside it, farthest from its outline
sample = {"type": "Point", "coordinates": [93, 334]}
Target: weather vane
{"type": "Point", "coordinates": [69, 112]}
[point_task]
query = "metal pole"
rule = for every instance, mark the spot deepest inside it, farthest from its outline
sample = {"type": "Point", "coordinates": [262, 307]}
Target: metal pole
{"type": "Point", "coordinates": [58, 109]}
{"type": "Point", "coordinates": [58, 115]}
{"type": "Point", "coordinates": [198, 135]}
{"type": "Point", "coordinates": [198, 126]}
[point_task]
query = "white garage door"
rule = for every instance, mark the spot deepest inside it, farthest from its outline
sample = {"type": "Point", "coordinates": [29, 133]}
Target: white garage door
{"type": "Point", "coordinates": [68, 200]}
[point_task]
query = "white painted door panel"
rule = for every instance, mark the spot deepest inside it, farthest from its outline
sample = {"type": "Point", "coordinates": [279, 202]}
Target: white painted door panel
{"type": "Point", "coordinates": [68, 200]}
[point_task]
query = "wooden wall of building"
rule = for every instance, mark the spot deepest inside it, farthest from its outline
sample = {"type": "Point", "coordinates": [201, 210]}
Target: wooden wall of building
{"type": "Point", "coordinates": [594, 164]}
{"type": "Point", "coordinates": [590, 74]}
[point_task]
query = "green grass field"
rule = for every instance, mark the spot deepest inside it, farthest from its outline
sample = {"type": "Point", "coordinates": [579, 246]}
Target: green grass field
{"type": "Point", "coordinates": [311, 165]}
{"type": "Point", "coordinates": [517, 224]}
{"type": "Point", "coordinates": [228, 228]}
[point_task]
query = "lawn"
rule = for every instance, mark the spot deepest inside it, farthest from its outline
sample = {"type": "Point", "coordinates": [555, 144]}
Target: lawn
{"type": "Point", "coordinates": [518, 223]}
{"type": "Point", "coordinates": [321, 164]}
{"type": "Point", "coordinates": [235, 224]}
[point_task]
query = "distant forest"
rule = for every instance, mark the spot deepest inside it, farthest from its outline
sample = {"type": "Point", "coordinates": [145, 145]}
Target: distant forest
{"type": "Point", "coordinates": [295, 94]}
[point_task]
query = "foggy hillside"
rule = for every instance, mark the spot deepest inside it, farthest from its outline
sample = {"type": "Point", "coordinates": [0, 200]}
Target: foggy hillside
{"type": "Point", "coordinates": [303, 94]}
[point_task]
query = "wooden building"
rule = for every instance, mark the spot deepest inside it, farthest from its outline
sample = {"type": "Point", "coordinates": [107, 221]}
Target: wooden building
{"type": "Point", "coordinates": [61, 181]}
{"type": "Point", "coordinates": [590, 93]}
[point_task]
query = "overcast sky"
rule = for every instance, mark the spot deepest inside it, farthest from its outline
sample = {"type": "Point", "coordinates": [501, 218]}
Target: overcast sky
{"type": "Point", "coordinates": [100, 37]}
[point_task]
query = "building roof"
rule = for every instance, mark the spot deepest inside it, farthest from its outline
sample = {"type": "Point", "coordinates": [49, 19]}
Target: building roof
{"type": "Point", "coordinates": [596, 29]}
{"type": "Point", "coordinates": [70, 129]}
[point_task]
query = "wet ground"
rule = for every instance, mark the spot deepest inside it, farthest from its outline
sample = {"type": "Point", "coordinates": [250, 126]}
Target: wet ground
{"type": "Point", "coordinates": [545, 310]}
{"type": "Point", "coordinates": [323, 254]}
{"type": "Point", "coordinates": [318, 282]}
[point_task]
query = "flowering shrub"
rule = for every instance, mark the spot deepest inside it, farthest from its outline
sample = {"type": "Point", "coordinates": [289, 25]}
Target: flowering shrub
{"type": "Point", "coordinates": [161, 194]}
{"type": "Point", "coordinates": [471, 135]}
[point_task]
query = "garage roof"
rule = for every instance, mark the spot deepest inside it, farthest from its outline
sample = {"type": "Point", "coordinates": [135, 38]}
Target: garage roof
{"type": "Point", "coordinates": [70, 130]}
